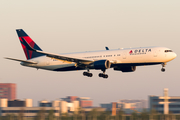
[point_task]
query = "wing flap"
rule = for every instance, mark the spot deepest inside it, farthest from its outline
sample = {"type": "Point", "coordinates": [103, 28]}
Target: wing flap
{"type": "Point", "coordinates": [65, 58]}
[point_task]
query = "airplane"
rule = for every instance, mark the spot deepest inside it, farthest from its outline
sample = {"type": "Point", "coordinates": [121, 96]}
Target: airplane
{"type": "Point", "coordinates": [124, 59]}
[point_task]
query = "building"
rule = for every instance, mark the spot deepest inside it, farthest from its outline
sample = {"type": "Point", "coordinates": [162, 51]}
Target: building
{"type": "Point", "coordinates": [65, 107]}
{"type": "Point", "coordinates": [15, 103]}
{"type": "Point", "coordinates": [8, 91]}
{"type": "Point", "coordinates": [69, 98]}
{"type": "Point", "coordinates": [28, 112]}
{"type": "Point", "coordinates": [20, 103]}
{"type": "Point", "coordinates": [89, 109]}
{"type": "Point", "coordinates": [127, 104]}
{"type": "Point", "coordinates": [109, 106]}
{"type": "Point", "coordinates": [45, 103]}
{"type": "Point", "coordinates": [133, 104]}
{"type": "Point", "coordinates": [83, 101]}
{"type": "Point", "coordinates": [25, 108]}
{"type": "Point", "coordinates": [69, 107]}
{"type": "Point", "coordinates": [165, 104]}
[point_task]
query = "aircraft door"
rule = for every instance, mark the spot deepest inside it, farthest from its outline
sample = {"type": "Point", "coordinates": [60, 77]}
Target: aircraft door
{"type": "Point", "coordinates": [156, 53]}
{"type": "Point", "coordinates": [48, 61]}
{"type": "Point", "coordinates": [124, 56]}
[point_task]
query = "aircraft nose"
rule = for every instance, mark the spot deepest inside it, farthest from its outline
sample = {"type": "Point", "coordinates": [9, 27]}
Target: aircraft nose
{"type": "Point", "coordinates": [174, 55]}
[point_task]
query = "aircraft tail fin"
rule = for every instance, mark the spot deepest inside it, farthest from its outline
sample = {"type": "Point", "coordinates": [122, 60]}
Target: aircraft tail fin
{"type": "Point", "coordinates": [29, 53]}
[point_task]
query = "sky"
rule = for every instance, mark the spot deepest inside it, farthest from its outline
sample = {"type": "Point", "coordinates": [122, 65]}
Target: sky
{"type": "Point", "coordinates": [63, 26]}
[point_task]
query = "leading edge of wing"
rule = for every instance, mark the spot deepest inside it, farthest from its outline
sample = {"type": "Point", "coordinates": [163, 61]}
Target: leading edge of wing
{"type": "Point", "coordinates": [57, 56]}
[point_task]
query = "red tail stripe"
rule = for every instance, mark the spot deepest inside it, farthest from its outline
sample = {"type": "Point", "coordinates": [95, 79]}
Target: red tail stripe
{"type": "Point", "coordinates": [29, 40]}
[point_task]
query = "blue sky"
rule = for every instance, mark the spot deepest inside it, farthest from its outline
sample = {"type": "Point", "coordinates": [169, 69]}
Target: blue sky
{"type": "Point", "coordinates": [60, 26]}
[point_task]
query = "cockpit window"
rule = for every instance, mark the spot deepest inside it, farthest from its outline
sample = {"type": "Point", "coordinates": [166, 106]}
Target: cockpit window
{"type": "Point", "coordinates": [168, 51]}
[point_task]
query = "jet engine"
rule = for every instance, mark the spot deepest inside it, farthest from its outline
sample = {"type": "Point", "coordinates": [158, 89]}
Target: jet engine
{"type": "Point", "coordinates": [126, 69]}
{"type": "Point", "coordinates": [101, 64]}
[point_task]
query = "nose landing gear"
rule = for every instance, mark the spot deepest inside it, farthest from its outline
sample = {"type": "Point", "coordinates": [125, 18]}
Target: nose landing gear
{"type": "Point", "coordinates": [163, 65]}
{"type": "Point", "coordinates": [163, 69]}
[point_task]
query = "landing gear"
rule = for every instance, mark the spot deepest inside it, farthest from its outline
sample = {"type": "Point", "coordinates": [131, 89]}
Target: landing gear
{"type": "Point", "coordinates": [103, 75]}
{"type": "Point", "coordinates": [163, 69]}
{"type": "Point", "coordinates": [87, 74]}
{"type": "Point", "coordinates": [163, 65]}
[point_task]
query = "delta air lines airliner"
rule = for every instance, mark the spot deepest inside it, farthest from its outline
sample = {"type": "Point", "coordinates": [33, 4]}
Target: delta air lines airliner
{"type": "Point", "coordinates": [124, 60]}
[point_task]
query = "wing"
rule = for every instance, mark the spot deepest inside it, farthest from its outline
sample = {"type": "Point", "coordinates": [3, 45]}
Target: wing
{"type": "Point", "coordinates": [57, 56]}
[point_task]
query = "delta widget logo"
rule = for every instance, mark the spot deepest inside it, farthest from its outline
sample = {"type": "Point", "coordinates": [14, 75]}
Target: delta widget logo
{"type": "Point", "coordinates": [130, 52]}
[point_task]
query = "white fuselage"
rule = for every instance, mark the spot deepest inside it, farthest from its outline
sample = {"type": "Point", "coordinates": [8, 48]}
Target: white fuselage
{"type": "Point", "coordinates": [130, 56]}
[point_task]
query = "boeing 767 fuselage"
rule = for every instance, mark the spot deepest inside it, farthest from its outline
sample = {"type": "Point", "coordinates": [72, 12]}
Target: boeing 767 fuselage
{"type": "Point", "coordinates": [124, 60]}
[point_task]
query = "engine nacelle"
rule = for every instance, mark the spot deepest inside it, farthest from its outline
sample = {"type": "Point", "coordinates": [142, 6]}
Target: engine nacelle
{"type": "Point", "coordinates": [126, 69]}
{"type": "Point", "coordinates": [101, 64]}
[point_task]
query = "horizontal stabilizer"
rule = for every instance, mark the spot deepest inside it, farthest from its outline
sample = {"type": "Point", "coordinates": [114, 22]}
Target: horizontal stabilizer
{"type": "Point", "coordinates": [30, 62]}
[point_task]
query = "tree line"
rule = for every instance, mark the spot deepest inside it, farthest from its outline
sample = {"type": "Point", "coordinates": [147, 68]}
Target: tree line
{"type": "Point", "coordinates": [94, 115]}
